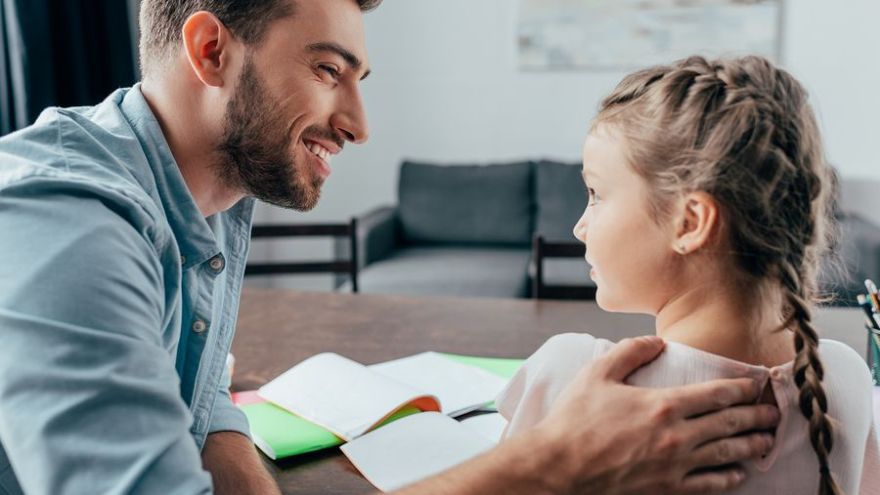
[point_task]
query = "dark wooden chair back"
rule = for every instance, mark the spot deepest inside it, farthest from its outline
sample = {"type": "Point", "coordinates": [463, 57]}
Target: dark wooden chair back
{"type": "Point", "coordinates": [349, 266]}
{"type": "Point", "coordinates": [543, 249]}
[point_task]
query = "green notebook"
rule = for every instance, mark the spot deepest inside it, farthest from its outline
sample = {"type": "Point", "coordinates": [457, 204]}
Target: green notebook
{"type": "Point", "coordinates": [279, 433]}
{"type": "Point", "coordinates": [503, 367]}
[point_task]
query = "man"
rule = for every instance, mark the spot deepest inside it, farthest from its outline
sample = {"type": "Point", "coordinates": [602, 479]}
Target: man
{"type": "Point", "coordinates": [125, 233]}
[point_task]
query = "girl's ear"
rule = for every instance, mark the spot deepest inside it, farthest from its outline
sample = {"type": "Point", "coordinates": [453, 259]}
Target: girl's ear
{"type": "Point", "coordinates": [696, 221]}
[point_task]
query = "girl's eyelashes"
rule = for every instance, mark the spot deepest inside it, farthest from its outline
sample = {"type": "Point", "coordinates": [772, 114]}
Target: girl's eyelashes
{"type": "Point", "coordinates": [592, 197]}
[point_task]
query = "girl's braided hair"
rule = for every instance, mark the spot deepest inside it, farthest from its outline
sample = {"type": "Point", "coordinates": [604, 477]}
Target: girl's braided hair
{"type": "Point", "coordinates": [742, 131]}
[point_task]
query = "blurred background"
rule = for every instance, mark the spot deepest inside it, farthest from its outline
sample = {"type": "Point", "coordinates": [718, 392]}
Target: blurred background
{"type": "Point", "coordinates": [486, 82]}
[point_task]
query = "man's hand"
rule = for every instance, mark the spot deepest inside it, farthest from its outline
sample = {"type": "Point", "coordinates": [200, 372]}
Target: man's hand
{"type": "Point", "coordinates": [235, 465]}
{"type": "Point", "coordinates": [605, 437]}
{"type": "Point", "coordinates": [618, 439]}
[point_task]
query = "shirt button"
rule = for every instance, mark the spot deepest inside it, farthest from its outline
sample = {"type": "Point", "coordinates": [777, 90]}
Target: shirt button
{"type": "Point", "coordinates": [199, 326]}
{"type": "Point", "coordinates": [183, 260]}
{"type": "Point", "coordinates": [217, 263]}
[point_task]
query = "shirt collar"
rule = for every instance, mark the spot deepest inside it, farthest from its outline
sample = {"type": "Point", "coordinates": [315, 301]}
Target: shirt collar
{"type": "Point", "coordinates": [194, 236]}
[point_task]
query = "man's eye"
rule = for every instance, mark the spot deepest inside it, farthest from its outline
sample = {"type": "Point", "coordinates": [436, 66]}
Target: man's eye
{"type": "Point", "coordinates": [329, 70]}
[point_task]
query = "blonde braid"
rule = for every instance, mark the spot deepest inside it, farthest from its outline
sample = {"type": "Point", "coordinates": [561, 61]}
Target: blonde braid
{"type": "Point", "coordinates": [808, 375]}
{"type": "Point", "coordinates": [743, 131]}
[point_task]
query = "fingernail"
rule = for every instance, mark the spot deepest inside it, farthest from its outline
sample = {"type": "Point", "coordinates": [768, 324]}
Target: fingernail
{"type": "Point", "coordinates": [768, 445]}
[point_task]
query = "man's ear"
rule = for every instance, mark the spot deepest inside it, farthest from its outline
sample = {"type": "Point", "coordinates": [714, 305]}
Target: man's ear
{"type": "Point", "coordinates": [696, 222]}
{"type": "Point", "coordinates": [208, 45]}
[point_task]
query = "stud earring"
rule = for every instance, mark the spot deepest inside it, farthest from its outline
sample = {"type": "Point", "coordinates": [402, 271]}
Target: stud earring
{"type": "Point", "coordinates": [681, 249]}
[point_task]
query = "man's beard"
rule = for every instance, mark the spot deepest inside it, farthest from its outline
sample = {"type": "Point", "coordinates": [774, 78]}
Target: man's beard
{"type": "Point", "coordinates": [255, 151]}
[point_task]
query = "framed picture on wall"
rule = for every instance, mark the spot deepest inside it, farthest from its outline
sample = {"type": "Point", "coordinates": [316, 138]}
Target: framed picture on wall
{"type": "Point", "coordinates": [629, 34]}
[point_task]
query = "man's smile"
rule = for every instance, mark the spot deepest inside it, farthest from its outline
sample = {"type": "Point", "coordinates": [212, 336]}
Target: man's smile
{"type": "Point", "coordinates": [321, 154]}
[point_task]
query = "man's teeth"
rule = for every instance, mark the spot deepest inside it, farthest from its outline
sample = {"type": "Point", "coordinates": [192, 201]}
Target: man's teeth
{"type": "Point", "coordinates": [319, 150]}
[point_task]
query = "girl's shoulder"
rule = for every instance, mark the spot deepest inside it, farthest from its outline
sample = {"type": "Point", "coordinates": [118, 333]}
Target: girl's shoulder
{"type": "Point", "coordinates": [563, 355]}
{"type": "Point", "coordinates": [841, 359]}
{"type": "Point", "coordinates": [847, 379]}
{"type": "Point", "coordinates": [528, 396]}
{"type": "Point", "coordinates": [580, 344]}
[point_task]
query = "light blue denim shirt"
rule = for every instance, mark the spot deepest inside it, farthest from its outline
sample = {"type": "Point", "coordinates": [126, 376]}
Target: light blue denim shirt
{"type": "Point", "coordinates": [118, 302]}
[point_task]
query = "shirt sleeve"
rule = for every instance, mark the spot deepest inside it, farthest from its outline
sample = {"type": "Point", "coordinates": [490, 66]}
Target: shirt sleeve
{"type": "Point", "coordinates": [870, 483]}
{"type": "Point", "coordinates": [530, 394]}
{"type": "Point", "coordinates": [226, 416]}
{"type": "Point", "coordinates": [89, 399]}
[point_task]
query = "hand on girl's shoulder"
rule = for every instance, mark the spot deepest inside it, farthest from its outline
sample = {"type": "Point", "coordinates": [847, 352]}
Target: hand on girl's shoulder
{"type": "Point", "coordinates": [528, 396]}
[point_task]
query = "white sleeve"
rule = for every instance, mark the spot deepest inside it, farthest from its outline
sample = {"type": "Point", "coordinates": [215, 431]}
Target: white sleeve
{"type": "Point", "coordinates": [870, 484]}
{"type": "Point", "coordinates": [529, 395]}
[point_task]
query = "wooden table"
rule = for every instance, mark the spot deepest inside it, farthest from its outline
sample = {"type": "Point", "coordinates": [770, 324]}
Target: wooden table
{"type": "Point", "coordinates": [278, 328]}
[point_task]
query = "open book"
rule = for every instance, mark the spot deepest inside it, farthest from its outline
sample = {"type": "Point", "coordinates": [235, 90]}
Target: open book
{"type": "Point", "coordinates": [421, 445]}
{"type": "Point", "coordinates": [328, 399]}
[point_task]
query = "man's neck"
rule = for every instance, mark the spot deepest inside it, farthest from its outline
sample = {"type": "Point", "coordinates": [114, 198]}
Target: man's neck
{"type": "Point", "coordinates": [726, 322]}
{"type": "Point", "coordinates": [192, 137]}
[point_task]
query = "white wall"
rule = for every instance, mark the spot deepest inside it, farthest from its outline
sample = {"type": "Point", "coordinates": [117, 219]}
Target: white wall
{"type": "Point", "coordinates": [833, 46]}
{"type": "Point", "coordinates": [446, 88]}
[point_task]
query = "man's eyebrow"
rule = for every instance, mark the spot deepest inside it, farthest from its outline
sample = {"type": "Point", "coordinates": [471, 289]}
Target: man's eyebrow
{"type": "Point", "coordinates": [350, 58]}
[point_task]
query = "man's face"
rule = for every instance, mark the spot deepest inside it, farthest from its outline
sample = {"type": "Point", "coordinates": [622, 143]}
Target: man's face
{"type": "Point", "coordinates": [296, 103]}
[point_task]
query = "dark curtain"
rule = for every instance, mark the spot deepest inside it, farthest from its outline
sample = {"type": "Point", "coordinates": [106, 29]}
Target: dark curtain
{"type": "Point", "coordinates": [61, 52]}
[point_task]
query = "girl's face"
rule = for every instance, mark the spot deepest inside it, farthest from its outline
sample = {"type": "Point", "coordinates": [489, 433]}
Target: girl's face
{"type": "Point", "coordinates": [633, 264]}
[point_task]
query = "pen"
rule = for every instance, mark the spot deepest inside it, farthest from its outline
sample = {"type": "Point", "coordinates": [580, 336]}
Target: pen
{"type": "Point", "coordinates": [873, 327]}
{"type": "Point", "coordinates": [872, 310]}
{"type": "Point", "coordinates": [872, 295]}
{"type": "Point", "coordinates": [866, 307]}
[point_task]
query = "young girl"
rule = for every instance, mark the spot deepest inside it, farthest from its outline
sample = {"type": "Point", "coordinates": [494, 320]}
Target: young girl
{"type": "Point", "coordinates": [710, 207]}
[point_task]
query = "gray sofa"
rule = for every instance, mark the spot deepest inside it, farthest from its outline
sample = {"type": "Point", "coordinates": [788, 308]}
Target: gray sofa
{"type": "Point", "coordinates": [466, 230]}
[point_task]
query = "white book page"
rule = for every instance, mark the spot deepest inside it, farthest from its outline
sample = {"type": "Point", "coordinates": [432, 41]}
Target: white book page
{"type": "Point", "coordinates": [264, 446]}
{"type": "Point", "coordinates": [340, 394]}
{"type": "Point", "coordinates": [490, 426]}
{"type": "Point", "coordinates": [461, 388]}
{"type": "Point", "coordinates": [413, 448]}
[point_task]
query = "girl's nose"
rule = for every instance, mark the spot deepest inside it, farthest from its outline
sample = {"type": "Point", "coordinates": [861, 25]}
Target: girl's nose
{"type": "Point", "coordinates": [580, 228]}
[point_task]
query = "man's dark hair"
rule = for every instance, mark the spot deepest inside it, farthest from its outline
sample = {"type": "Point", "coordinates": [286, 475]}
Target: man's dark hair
{"type": "Point", "coordinates": [161, 21]}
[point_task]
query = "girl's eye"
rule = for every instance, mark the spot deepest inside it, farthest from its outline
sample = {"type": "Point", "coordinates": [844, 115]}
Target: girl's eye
{"type": "Point", "coordinates": [591, 196]}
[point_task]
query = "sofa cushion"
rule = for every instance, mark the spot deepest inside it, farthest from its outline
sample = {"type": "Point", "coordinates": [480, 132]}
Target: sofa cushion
{"type": "Point", "coordinates": [560, 199]}
{"type": "Point", "coordinates": [466, 204]}
{"type": "Point", "coordinates": [450, 270]}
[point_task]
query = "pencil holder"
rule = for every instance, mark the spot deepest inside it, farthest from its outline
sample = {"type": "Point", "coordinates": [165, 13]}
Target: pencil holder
{"type": "Point", "coordinates": [874, 353]}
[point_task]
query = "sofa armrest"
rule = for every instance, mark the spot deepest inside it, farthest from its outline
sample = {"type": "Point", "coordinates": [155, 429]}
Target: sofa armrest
{"type": "Point", "coordinates": [376, 236]}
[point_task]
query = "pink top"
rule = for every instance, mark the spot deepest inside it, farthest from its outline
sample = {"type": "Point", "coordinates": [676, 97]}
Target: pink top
{"type": "Point", "coordinates": [790, 468]}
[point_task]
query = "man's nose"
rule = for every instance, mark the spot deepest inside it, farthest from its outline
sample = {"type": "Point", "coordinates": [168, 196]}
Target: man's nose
{"type": "Point", "coordinates": [350, 121]}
